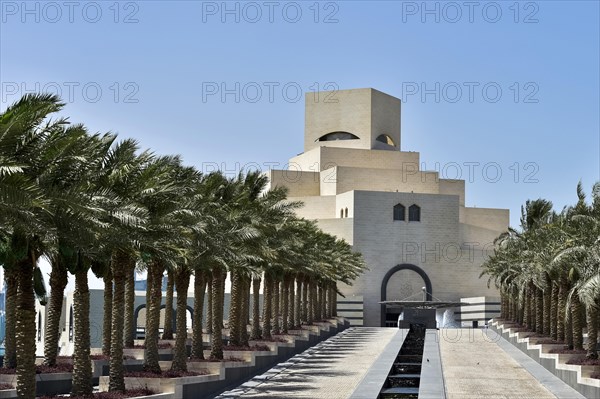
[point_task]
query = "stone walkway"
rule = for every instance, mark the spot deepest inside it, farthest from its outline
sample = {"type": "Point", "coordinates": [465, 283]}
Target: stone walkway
{"type": "Point", "coordinates": [330, 370]}
{"type": "Point", "coordinates": [475, 367]}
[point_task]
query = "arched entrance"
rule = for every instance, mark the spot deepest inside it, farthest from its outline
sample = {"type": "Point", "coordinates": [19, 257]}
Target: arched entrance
{"type": "Point", "coordinates": [384, 286]}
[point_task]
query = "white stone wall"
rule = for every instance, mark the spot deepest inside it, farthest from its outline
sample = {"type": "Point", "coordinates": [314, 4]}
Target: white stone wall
{"type": "Point", "coordinates": [326, 157]}
{"type": "Point", "coordinates": [448, 244]}
{"type": "Point", "coordinates": [366, 113]}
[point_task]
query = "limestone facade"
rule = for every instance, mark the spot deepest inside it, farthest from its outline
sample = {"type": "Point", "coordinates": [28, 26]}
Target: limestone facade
{"type": "Point", "coordinates": [351, 176]}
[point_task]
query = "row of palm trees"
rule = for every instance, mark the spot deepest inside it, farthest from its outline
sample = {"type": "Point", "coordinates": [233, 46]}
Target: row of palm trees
{"type": "Point", "coordinates": [548, 273]}
{"type": "Point", "coordinates": [87, 202]}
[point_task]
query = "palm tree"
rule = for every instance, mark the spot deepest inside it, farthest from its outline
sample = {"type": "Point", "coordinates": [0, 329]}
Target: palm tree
{"type": "Point", "coordinates": [28, 150]}
{"type": "Point", "coordinates": [122, 177]}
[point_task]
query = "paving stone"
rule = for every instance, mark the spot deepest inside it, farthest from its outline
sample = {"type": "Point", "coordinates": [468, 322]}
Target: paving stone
{"type": "Point", "coordinates": [476, 367]}
{"type": "Point", "coordinates": [324, 373]}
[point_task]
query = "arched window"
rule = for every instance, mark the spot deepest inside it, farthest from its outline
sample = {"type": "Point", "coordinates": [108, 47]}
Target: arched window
{"type": "Point", "coordinates": [39, 331]}
{"type": "Point", "coordinates": [414, 213]}
{"type": "Point", "coordinates": [333, 136]}
{"type": "Point", "coordinates": [384, 138]}
{"type": "Point", "coordinates": [71, 324]}
{"type": "Point", "coordinates": [342, 212]}
{"type": "Point", "coordinates": [399, 212]}
{"type": "Point", "coordinates": [346, 212]}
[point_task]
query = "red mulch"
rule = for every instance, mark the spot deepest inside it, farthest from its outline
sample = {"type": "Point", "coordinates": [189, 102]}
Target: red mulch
{"type": "Point", "coordinates": [532, 335]}
{"type": "Point", "coordinates": [5, 386]}
{"type": "Point", "coordinates": [549, 341]}
{"type": "Point", "coordinates": [584, 361]}
{"type": "Point", "coordinates": [227, 359]}
{"type": "Point", "coordinates": [272, 339]}
{"type": "Point", "coordinates": [565, 351]}
{"type": "Point", "coordinates": [246, 348]}
{"type": "Point", "coordinates": [41, 369]}
{"type": "Point", "coordinates": [596, 376]}
{"type": "Point", "coordinates": [96, 357]}
{"type": "Point", "coordinates": [111, 395]}
{"type": "Point", "coordinates": [160, 346]}
{"type": "Point", "coordinates": [164, 374]}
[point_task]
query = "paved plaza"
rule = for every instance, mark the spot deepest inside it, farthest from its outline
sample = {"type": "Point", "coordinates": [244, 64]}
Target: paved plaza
{"type": "Point", "coordinates": [330, 370]}
{"type": "Point", "coordinates": [476, 364]}
{"type": "Point", "coordinates": [480, 364]}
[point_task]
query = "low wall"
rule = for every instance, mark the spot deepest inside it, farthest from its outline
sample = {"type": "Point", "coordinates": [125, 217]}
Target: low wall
{"type": "Point", "coordinates": [570, 374]}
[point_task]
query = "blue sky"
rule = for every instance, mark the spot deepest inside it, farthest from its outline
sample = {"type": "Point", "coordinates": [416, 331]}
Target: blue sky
{"type": "Point", "coordinates": [143, 69]}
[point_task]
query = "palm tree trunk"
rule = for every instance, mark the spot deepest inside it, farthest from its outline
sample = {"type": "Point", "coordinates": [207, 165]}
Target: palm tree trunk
{"type": "Point", "coordinates": [267, 306]}
{"type": "Point", "coordinates": [335, 300]}
{"type": "Point", "coordinates": [554, 311]}
{"type": "Point", "coordinates": [312, 306]}
{"type": "Point", "coordinates": [151, 357]}
{"type": "Point", "coordinates": [235, 310]}
{"type": "Point", "coordinates": [526, 308]}
{"type": "Point", "coordinates": [130, 323]}
{"type": "Point", "coordinates": [168, 328]}
{"type": "Point", "coordinates": [10, 344]}
{"type": "Point", "coordinates": [276, 327]}
{"type": "Point", "coordinates": [58, 282]}
{"type": "Point", "coordinates": [243, 322]}
{"type": "Point", "coordinates": [82, 364]}
{"type": "Point", "coordinates": [209, 304]}
{"type": "Point", "coordinates": [180, 354]}
{"type": "Point", "coordinates": [323, 300]}
{"type": "Point", "coordinates": [304, 307]}
{"type": "Point", "coordinates": [24, 329]}
{"type": "Point", "coordinates": [107, 316]}
{"type": "Point", "coordinates": [284, 304]}
{"type": "Point", "coordinates": [330, 301]}
{"type": "Point", "coordinates": [519, 311]}
{"type": "Point", "coordinates": [560, 312]}
{"type": "Point", "coordinates": [539, 310]}
{"type": "Point", "coordinates": [218, 294]}
{"type": "Point", "coordinates": [292, 302]}
{"type": "Point", "coordinates": [256, 333]}
{"type": "Point", "coordinates": [547, 299]}
{"type": "Point", "coordinates": [222, 298]}
{"type": "Point", "coordinates": [576, 309]}
{"type": "Point", "coordinates": [116, 378]}
{"type": "Point", "coordinates": [318, 290]}
{"type": "Point", "coordinates": [197, 340]}
{"type": "Point", "coordinates": [298, 306]}
{"type": "Point", "coordinates": [592, 328]}
{"type": "Point", "coordinates": [569, 330]}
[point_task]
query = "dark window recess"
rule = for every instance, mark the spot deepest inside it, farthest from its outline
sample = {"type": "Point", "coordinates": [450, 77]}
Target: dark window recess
{"type": "Point", "coordinates": [399, 212]}
{"type": "Point", "coordinates": [414, 213]}
{"type": "Point", "coordinates": [39, 331]}
{"type": "Point", "coordinates": [334, 136]}
{"type": "Point", "coordinates": [71, 325]}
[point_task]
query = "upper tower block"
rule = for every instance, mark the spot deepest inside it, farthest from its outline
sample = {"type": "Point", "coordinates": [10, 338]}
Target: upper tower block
{"type": "Point", "coordinates": [359, 118]}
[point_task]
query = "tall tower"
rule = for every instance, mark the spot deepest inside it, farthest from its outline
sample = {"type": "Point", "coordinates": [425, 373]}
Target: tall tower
{"type": "Point", "coordinates": [359, 118]}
